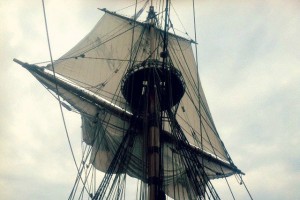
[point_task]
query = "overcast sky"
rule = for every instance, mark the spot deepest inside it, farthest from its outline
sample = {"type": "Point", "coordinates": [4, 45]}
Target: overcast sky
{"type": "Point", "coordinates": [249, 57]}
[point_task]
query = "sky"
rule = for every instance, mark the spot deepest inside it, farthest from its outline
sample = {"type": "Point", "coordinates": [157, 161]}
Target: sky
{"type": "Point", "coordinates": [249, 62]}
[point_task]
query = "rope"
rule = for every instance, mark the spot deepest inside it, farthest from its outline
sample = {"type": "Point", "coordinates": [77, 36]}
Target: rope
{"type": "Point", "coordinates": [245, 187]}
{"type": "Point", "coordinates": [130, 6]}
{"type": "Point", "coordinates": [195, 168]}
{"type": "Point", "coordinates": [83, 57]}
{"type": "Point", "coordinates": [185, 31]}
{"type": "Point", "coordinates": [197, 67]}
{"type": "Point", "coordinates": [228, 184]}
{"type": "Point", "coordinates": [138, 14]}
{"type": "Point", "coordinates": [60, 103]}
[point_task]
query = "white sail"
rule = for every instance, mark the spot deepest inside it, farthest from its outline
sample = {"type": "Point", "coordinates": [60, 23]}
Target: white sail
{"type": "Point", "coordinates": [192, 115]}
{"type": "Point", "coordinates": [100, 60]}
{"type": "Point", "coordinates": [94, 69]}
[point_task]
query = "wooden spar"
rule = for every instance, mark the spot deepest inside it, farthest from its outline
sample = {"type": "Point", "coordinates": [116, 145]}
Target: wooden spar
{"type": "Point", "coordinates": [122, 113]}
{"type": "Point", "coordinates": [82, 93]}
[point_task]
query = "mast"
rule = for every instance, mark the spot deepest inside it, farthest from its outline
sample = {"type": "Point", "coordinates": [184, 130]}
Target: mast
{"type": "Point", "coordinates": [153, 80]}
{"type": "Point", "coordinates": [116, 110]}
{"type": "Point", "coordinates": [152, 88]}
{"type": "Point", "coordinates": [152, 109]}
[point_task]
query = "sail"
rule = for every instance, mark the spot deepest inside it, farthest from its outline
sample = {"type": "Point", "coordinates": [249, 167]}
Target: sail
{"type": "Point", "coordinates": [90, 76]}
{"type": "Point", "coordinates": [99, 61]}
{"type": "Point", "coordinates": [194, 115]}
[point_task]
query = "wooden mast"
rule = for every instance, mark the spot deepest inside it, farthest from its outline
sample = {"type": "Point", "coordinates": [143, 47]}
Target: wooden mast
{"type": "Point", "coordinates": [153, 124]}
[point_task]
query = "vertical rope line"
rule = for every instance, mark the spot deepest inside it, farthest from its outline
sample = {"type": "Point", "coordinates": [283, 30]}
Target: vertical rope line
{"type": "Point", "coordinates": [56, 86]}
{"type": "Point", "coordinates": [228, 186]}
{"type": "Point", "coordinates": [246, 187]}
{"type": "Point", "coordinates": [197, 66]}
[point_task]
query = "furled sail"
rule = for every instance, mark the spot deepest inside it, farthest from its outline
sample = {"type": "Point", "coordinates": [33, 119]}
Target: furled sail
{"type": "Point", "coordinates": [94, 69]}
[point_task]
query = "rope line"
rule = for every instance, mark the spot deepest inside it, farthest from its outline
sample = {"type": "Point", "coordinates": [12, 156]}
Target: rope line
{"type": "Point", "coordinates": [243, 182]}
{"type": "Point", "coordinates": [117, 182]}
{"type": "Point", "coordinates": [58, 96]}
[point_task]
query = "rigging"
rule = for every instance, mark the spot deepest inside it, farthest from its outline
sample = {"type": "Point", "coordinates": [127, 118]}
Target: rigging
{"type": "Point", "coordinates": [137, 138]}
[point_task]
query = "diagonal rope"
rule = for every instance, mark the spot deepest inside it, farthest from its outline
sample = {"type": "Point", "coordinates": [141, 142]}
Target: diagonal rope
{"type": "Point", "coordinates": [243, 182]}
{"type": "Point", "coordinates": [56, 86]}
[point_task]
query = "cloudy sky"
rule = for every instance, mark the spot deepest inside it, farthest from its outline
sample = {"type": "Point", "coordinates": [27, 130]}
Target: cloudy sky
{"type": "Point", "coordinates": [249, 56]}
